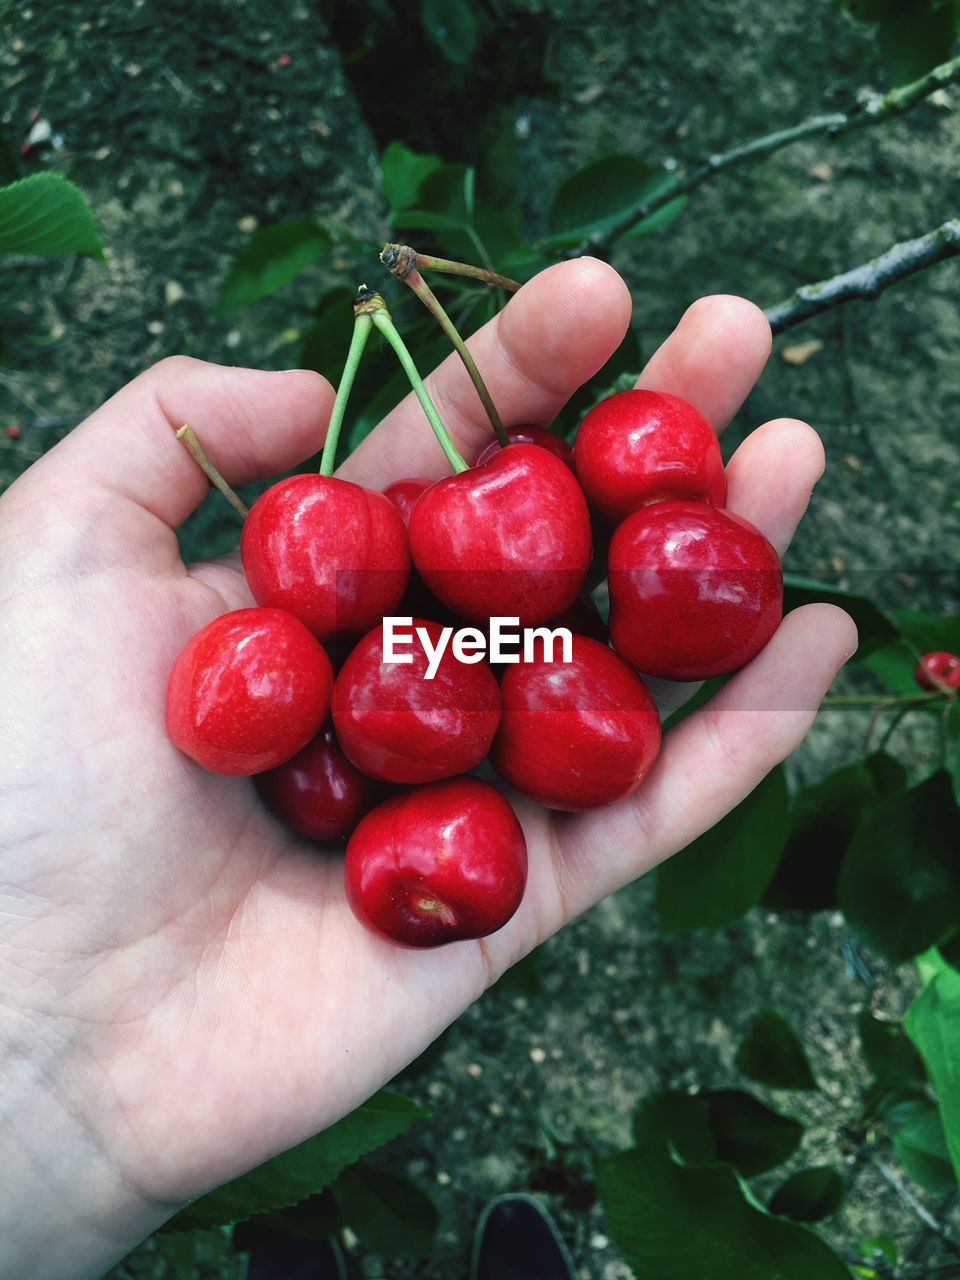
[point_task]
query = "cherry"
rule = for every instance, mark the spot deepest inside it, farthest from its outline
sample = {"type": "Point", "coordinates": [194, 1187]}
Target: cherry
{"type": "Point", "coordinates": [938, 671]}
{"type": "Point", "coordinates": [328, 551]}
{"type": "Point", "coordinates": [404, 494]}
{"type": "Point", "coordinates": [510, 538]}
{"type": "Point", "coordinates": [248, 691]}
{"type": "Point", "coordinates": [576, 735]}
{"type": "Point", "coordinates": [437, 864]}
{"type": "Point", "coordinates": [694, 591]}
{"type": "Point", "coordinates": [638, 447]}
{"type": "Point", "coordinates": [395, 724]}
{"type": "Point", "coordinates": [582, 618]}
{"type": "Point", "coordinates": [318, 793]}
{"type": "Point", "coordinates": [529, 435]}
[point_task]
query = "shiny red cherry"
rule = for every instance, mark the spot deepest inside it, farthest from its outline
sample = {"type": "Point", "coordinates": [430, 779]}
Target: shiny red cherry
{"type": "Point", "coordinates": [404, 494]}
{"type": "Point", "coordinates": [529, 435]}
{"type": "Point", "coordinates": [396, 724]}
{"type": "Point", "coordinates": [318, 793]}
{"type": "Point", "coordinates": [508, 539]}
{"type": "Point", "coordinates": [437, 864]}
{"type": "Point", "coordinates": [248, 691]}
{"type": "Point", "coordinates": [694, 591]}
{"type": "Point", "coordinates": [328, 551]}
{"type": "Point", "coordinates": [582, 618]}
{"type": "Point", "coordinates": [638, 447]}
{"type": "Point", "coordinates": [938, 671]}
{"type": "Point", "coordinates": [576, 735]}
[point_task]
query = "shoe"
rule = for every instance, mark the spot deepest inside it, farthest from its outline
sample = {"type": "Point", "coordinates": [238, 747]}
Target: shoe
{"type": "Point", "coordinates": [293, 1258]}
{"type": "Point", "coordinates": [516, 1240]}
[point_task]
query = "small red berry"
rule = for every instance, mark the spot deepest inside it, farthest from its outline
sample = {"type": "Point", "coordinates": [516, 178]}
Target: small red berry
{"type": "Point", "coordinates": [529, 435]}
{"type": "Point", "coordinates": [438, 864]}
{"type": "Point", "coordinates": [284, 60]}
{"type": "Point", "coordinates": [318, 793]}
{"type": "Point", "coordinates": [12, 432]}
{"type": "Point", "coordinates": [248, 691]}
{"type": "Point", "coordinates": [938, 671]}
{"type": "Point", "coordinates": [404, 494]}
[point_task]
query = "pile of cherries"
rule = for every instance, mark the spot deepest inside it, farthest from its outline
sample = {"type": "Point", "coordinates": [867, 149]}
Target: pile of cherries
{"type": "Point", "coordinates": [380, 756]}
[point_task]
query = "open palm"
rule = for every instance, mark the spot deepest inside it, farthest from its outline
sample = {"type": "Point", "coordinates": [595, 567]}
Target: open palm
{"type": "Point", "coordinates": [184, 976]}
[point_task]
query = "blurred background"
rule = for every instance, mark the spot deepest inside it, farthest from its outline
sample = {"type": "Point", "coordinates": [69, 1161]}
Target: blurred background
{"type": "Point", "coordinates": [192, 125]}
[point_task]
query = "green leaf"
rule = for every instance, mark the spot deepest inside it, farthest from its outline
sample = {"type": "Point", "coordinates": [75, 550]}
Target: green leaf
{"type": "Point", "coordinates": [271, 258]}
{"type": "Point", "coordinates": [887, 1052]}
{"type": "Point", "coordinates": [900, 880]}
{"type": "Point", "coordinates": [316, 1218]}
{"type": "Point", "coordinates": [749, 1134]}
{"type": "Point", "coordinates": [772, 1054]}
{"type": "Point", "coordinates": [823, 818]}
{"type": "Point", "coordinates": [933, 1024]}
{"type": "Point", "coordinates": [724, 873]}
{"type": "Point", "coordinates": [388, 1213]}
{"type": "Point", "coordinates": [306, 1169]}
{"type": "Point", "coordinates": [809, 1195]}
{"type": "Point", "coordinates": [893, 666]}
{"type": "Point", "coordinates": [452, 26]}
{"type": "Point", "coordinates": [914, 36]}
{"type": "Point", "coordinates": [874, 626]}
{"type": "Point", "coordinates": [47, 214]}
{"type": "Point", "coordinates": [674, 1222]}
{"type": "Point", "coordinates": [682, 1121]}
{"type": "Point", "coordinates": [599, 195]}
{"type": "Point", "coordinates": [878, 1247]}
{"type": "Point", "coordinates": [402, 171]}
{"type": "Point", "coordinates": [930, 631]}
{"type": "Point", "coordinates": [921, 1147]}
{"type": "Point", "coordinates": [887, 772]}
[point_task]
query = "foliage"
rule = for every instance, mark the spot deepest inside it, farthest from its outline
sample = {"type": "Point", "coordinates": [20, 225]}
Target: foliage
{"type": "Point", "coordinates": [47, 214]}
{"type": "Point", "coordinates": [912, 35]}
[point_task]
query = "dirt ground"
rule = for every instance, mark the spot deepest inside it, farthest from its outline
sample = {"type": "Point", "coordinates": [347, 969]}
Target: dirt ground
{"type": "Point", "coordinates": [185, 130]}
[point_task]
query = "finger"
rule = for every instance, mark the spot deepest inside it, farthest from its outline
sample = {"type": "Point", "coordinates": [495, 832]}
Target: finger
{"type": "Point", "coordinates": [551, 337]}
{"type": "Point", "coordinates": [713, 357]}
{"type": "Point", "coordinates": [251, 424]}
{"type": "Point", "coordinates": [772, 475]}
{"type": "Point", "coordinates": [707, 765]}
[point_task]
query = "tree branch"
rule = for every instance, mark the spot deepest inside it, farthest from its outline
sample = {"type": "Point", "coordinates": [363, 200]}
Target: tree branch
{"type": "Point", "coordinates": [875, 109]}
{"type": "Point", "coordinates": [870, 278]}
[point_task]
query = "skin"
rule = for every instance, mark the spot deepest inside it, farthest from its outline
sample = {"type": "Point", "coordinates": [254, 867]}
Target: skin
{"type": "Point", "coordinates": [165, 944]}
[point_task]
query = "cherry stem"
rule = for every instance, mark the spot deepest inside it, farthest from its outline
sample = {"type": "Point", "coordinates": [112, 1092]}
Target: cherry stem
{"type": "Point", "coordinates": [362, 326]}
{"type": "Point", "coordinates": [381, 318]}
{"type": "Point", "coordinates": [401, 259]}
{"type": "Point", "coordinates": [188, 438]}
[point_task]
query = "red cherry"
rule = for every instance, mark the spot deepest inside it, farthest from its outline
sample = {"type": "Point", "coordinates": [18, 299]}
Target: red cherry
{"type": "Point", "coordinates": [529, 435]}
{"type": "Point", "coordinates": [638, 447]}
{"type": "Point", "coordinates": [938, 671]}
{"type": "Point", "coordinates": [508, 539]}
{"type": "Point", "coordinates": [694, 591]}
{"type": "Point", "coordinates": [438, 864]}
{"type": "Point", "coordinates": [583, 619]}
{"type": "Point", "coordinates": [248, 691]}
{"type": "Point", "coordinates": [404, 494]}
{"type": "Point", "coordinates": [395, 724]}
{"type": "Point", "coordinates": [328, 551]}
{"type": "Point", "coordinates": [576, 735]}
{"type": "Point", "coordinates": [318, 793]}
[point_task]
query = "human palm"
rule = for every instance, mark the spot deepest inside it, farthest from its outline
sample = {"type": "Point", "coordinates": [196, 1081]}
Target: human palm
{"type": "Point", "coordinates": [187, 974]}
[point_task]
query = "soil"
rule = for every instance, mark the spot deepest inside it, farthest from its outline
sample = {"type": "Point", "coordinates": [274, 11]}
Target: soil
{"type": "Point", "coordinates": [187, 128]}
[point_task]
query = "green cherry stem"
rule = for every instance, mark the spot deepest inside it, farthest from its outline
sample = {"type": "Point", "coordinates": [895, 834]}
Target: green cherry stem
{"type": "Point", "coordinates": [188, 438]}
{"type": "Point", "coordinates": [362, 326]}
{"type": "Point", "coordinates": [401, 258]}
{"type": "Point", "coordinates": [381, 318]}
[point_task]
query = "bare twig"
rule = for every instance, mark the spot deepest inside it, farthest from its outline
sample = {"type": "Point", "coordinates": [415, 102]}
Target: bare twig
{"type": "Point", "coordinates": [831, 125]}
{"type": "Point", "coordinates": [188, 438]}
{"type": "Point", "coordinates": [893, 1179]}
{"type": "Point", "coordinates": [870, 278]}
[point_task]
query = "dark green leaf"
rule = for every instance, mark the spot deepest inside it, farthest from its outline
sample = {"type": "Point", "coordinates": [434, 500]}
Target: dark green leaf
{"type": "Point", "coordinates": [823, 818]}
{"type": "Point", "coordinates": [894, 1106]}
{"type": "Point", "coordinates": [933, 1024]}
{"type": "Point", "coordinates": [426, 1061]}
{"type": "Point", "coordinates": [402, 171]}
{"type": "Point", "coordinates": [887, 772]}
{"type": "Point", "coordinates": [725, 872]}
{"type": "Point", "coordinates": [316, 1218]}
{"type": "Point", "coordinates": [878, 1247]}
{"type": "Point", "coordinates": [524, 978]}
{"type": "Point", "coordinates": [913, 37]}
{"type": "Point", "coordinates": [893, 666]}
{"type": "Point", "coordinates": [929, 631]}
{"type": "Point", "coordinates": [452, 26]}
{"type": "Point", "coordinates": [673, 1222]}
{"type": "Point", "coordinates": [597, 196]}
{"type": "Point", "coordinates": [271, 258]}
{"type": "Point", "coordinates": [900, 880]}
{"type": "Point", "coordinates": [772, 1054]}
{"type": "Point", "coordinates": [809, 1195]}
{"type": "Point", "coordinates": [388, 1213]}
{"type": "Point", "coordinates": [887, 1051]}
{"type": "Point", "coordinates": [449, 190]}
{"type": "Point", "coordinates": [304, 1170]}
{"type": "Point", "coordinates": [921, 1148]}
{"type": "Point", "coordinates": [681, 1120]}
{"type": "Point", "coordinates": [748, 1134]}
{"type": "Point", "coordinates": [47, 214]}
{"type": "Point", "coordinates": [874, 626]}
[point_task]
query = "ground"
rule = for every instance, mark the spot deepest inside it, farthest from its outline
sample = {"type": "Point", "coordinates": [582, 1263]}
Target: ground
{"type": "Point", "coordinates": [186, 130]}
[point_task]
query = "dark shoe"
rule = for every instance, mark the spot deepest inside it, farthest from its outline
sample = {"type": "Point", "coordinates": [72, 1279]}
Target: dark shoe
{"type": "Point", "coordinates": [517, 1240]}
{"type": "Point", "coordinates": [293, 1258]}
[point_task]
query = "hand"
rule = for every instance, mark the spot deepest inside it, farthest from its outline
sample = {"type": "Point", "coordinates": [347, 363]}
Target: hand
{"type": "Point", "coordinates": [185, 991]}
